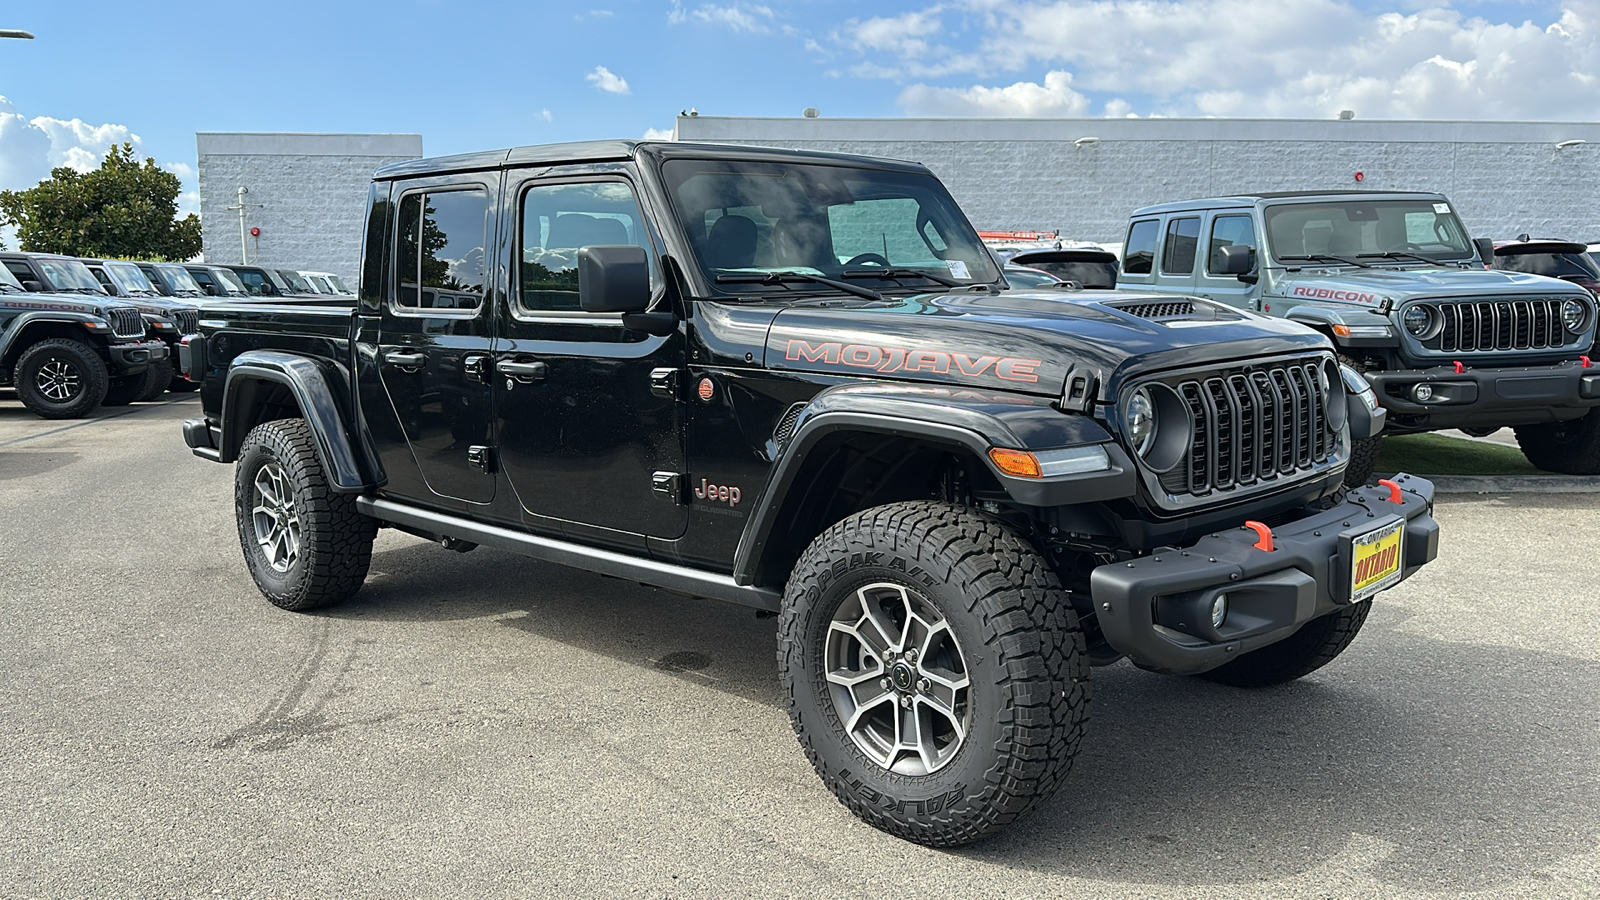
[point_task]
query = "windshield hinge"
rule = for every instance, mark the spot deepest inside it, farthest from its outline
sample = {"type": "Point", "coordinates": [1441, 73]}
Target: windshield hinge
{"type": "Point", "coordinates": [1079, 390]}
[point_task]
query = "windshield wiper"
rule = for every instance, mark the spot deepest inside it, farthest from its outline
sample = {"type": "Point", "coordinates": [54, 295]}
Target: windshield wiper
{"type": "Point", "coordinates": [898, 273]}
{"type": "Point", "coordinates": [1404, 254]}
{"type": "Point", "coordinates": [782, 277]}
{"type": "Point", "coordinates": [1312, 257]}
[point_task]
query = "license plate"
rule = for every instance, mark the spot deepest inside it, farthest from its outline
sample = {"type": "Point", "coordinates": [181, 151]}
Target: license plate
{"type": "Point", "coordinates": [1375, 559]}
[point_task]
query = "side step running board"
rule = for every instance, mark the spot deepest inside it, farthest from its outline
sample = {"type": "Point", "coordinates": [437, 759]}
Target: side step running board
{"type": "Point", "coordinates": [678, 579]}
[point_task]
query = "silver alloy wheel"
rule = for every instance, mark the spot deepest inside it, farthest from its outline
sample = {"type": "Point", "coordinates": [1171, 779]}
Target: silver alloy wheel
{"type": "Point", "coordinates": [897, 679]}
{"type": "Point", "coordinates": [59, 380]}
{"type": "Point", "coordinates": [277, 522]}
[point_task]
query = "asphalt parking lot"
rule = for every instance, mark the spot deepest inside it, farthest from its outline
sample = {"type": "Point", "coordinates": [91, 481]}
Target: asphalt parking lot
{"type": "Point", "coordinates": [482, 725]}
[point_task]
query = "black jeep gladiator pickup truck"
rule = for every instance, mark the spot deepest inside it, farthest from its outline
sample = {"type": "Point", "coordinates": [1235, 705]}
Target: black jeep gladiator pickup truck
{"type": "Point", "coordinates": [796, 381]}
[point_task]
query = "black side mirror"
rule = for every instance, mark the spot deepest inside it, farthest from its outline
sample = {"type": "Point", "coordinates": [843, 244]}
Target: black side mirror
{"type": "Point", "coordinates": [211, 290]}
{"type": "Point", "coordinates": [613, 278]}
{"type": "Point", "coordinates": [1236, 259]}
{"type": "Point", "coordinates": [32, 286]}
{"type": "Point", "coordinates": [268, 289]}
{"type": "Point", "coordinates": [1485, 251]}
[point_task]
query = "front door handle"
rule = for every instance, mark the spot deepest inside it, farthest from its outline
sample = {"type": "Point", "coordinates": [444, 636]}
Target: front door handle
{"type": "Point", "coordinates": [405, 359]}
{"type": "Point", "coordinates": [523, 371]}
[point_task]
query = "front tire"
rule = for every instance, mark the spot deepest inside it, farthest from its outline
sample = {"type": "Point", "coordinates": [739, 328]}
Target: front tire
{"type": "Point", "coordinates": [1307, 650]}
{"type": "Point", "coordinates": [61, 379]}
{"type": "Point", "coordinates": [156, 379]}
{"type": "Point", "coordinates": [936, 672]}
{"type": "Point", "coordinates": [305, 545]}
{"type": "Point", "coordinates": [1570, 448]}
{"type": "Point", "coordinates": [1363, 452]}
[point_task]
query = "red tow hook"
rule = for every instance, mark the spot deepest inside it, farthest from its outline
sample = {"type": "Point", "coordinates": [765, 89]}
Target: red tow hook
{"type": "Point", "coordinates": [1585, 361]}
{"type": "Point", "coordinates": [1263, 535]}
{"type": "Point", "coordinates": [1394, 489]}
{"type": "Point", "coordinates": [1459, 367]}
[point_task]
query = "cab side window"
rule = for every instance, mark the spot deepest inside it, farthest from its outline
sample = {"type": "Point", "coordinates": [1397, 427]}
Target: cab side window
{"type": "Point", "coordinates": [1139, 254]}
{"type": "Point", "coordinates": [1178, 256]}
{"type": "Point", "coordinates": [559, 219]}
{"type": "Point", "coordinates": [440, 258]}
{"type": "Point", "coordinates": [1228, 231]}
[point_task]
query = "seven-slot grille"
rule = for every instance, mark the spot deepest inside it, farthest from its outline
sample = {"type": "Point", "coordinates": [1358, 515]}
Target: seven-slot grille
{"type": "Point", "coordinates": [1252, 426]}
{"type": "Point", "coordinates": [126, 323]}
{"type": "Point", "coordinates": [1501, 325]}
{"type": "Point", "coordinates": [188, 321]}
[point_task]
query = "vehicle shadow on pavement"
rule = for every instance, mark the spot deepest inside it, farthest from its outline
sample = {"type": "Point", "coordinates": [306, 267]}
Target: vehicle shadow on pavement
{"type": "Point", "coordinates": [1423, 765]}
{"type": "Point", "coordinates": [707, 642]}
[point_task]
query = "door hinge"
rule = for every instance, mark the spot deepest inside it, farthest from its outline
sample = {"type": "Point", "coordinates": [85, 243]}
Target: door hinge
{"type": "Point", "coordinates": [668, 485]}
{"type": "Point", "coordinates": [664, 383]}
{"type": "Point", "coordinates": [482, 457]}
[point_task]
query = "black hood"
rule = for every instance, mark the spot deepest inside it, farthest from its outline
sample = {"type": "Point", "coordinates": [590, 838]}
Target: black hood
{"type": "Point", "coordinates": [1024, 340]}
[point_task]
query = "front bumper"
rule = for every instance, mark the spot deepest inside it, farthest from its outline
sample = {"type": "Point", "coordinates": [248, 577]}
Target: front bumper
{"type": "Point", "coordinates": [1270, 594]}
{"type": "Point", "coordinates": [1513, 395]}
{"type": "Point", "coordinates": [135, 356]}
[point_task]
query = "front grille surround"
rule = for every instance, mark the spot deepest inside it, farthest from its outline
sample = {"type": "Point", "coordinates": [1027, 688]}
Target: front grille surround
{"type": "Point", "coordinates": [188, 320]}
{"type": "Point", "coordinates": [126, 322]}
{"type": "Point", "coordinates": [1469, 326]}
{"type": "Point", "coordinates": [1257, 427]}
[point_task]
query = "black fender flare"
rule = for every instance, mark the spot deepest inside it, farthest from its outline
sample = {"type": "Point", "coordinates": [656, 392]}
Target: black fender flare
{"type": "Point", "coordinates": [1323, 318]}
{"type": "Point", "coordinates": [320, 389]}
{"type": "Point", "coordinates": [971, 420]}
{"type": "Point", "coordinates": [20, 324]}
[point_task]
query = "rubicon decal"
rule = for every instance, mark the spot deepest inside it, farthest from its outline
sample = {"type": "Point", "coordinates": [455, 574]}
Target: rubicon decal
{"type": "Point", "coordinates": [902, 359]}
{"type": "Point", "coordinates": [721, 493]}
{"type": "Point", "coordinates": [1331, 294]}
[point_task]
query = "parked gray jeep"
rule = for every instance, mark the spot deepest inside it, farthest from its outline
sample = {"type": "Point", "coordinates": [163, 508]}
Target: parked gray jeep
{"type": "Point", "coordinates": [1396, 283]}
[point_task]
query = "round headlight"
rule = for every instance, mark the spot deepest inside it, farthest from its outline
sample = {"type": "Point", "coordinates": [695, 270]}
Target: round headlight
{"type": "Point", "coordinates": [1140, 421]}
{"type": "Point", "coordinates": [1419, 320]}
{"type": "Point", "coordinates": [1574, 315]}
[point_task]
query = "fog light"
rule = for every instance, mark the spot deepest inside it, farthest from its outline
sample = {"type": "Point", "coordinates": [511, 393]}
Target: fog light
{"type": "Point", "coordinates": [1422, 393]}
{"type": "Point", "coordinates": [1219, 610]}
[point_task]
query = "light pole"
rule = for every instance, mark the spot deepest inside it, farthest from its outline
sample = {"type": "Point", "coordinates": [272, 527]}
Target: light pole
{"type": "Point", "coordinates": [14, 33]}
{"type": "Point", "coordinates": [241, 206]}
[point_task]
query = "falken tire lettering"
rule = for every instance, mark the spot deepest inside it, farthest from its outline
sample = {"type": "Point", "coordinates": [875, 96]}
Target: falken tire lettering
{"type": "Point", "coordinates": [925, 806]}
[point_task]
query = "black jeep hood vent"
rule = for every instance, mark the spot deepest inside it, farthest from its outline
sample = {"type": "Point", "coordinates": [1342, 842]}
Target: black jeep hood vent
{"type": "Point", "coordinates": [1156, 309]}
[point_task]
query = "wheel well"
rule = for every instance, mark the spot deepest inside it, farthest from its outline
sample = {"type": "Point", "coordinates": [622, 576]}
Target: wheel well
{"type": "Point", "coordinates": [848, 472]}
{"type": "Point", "coordinates": [34, 332]}
{"type": "Point", "coordinates": [256, 400]}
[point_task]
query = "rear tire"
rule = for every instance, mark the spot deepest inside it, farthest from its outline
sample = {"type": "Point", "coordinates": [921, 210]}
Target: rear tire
{"type": "Point", "coordinates": [1307, 650]}
{"type": "Point", "coordinates": [156, 379]}
{"type": "Point", "coordinates": [970, 713]}
{"type": "Point", "coordinates": [305, 545]}
{"type": "Point", "coordinates": [1570, 448]}
{"type": "Point", "coordinates": [125, 390]}
{"type": "Point", "coordinates": [60, 379]}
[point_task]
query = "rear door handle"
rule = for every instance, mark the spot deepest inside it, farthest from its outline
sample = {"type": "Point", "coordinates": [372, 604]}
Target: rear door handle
{"type": "Point", "coordinates": [523, 371]}
{"type": "Point", "coordinates": [405, 359]}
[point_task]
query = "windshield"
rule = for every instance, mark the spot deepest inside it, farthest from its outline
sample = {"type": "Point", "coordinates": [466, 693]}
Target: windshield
{"type": "Point", "coordinates": [129, 278]}
{"type": "Point", "coordinates": [296, 283]}
{"type": "Point", "coordinates": [1366, 228]}
{"type": "Point", "coordinates": [1550, 265]}
{"type": "Point", "coordinates": [336, 284]}
{"type": "Point", "coordinates": [319, 284]}
{"type": "Point", "coordinates": [8, 279]}
{"type": "Point", "coordinates": [230, 281]}
{"type": "Point", "coordinates": [70, 275]}
{"type": "Point", "coordinates": [178, 277]}
{"type": "Point", "coordinates": [755, 217]}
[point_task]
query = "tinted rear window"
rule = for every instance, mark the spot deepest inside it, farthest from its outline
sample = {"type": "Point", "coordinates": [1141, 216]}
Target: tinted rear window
{"type": "Point", "coordinates": [1551, 265]}
{"type": "Point", "coordinates": [1139, 257]}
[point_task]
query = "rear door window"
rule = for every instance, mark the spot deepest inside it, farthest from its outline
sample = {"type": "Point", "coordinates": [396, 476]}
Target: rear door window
{"type": "Point", "coordinates": [1177, 258]}
{"type": "Point", "coordinates": [440, 259]}
{"type": "Point", "coordinates": [1139, 256]}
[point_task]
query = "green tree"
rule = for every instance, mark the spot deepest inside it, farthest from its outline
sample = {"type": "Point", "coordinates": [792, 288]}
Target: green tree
{"type": "Point", "coordinates": [123, 209]}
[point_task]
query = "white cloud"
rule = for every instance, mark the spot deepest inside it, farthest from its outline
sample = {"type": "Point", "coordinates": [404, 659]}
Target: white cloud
{"type": "Point", "coordinates": [1025, 99]}
{"type": "Point", "coordinates": [746, 17]}
{"type": "Point", "coordinates": [605, 81]}
{"type": "Point", "coordinates": [30, 148]}
{"type": "Point", "coordinates": [660, 134]}
{"type": "Point", "coordinates": [1306, 58]}
{"type": "Point", "coordinates": [546, 116]}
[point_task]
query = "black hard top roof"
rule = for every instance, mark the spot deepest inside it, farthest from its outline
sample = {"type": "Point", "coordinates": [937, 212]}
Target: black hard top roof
{"type": "Point", "coordinates": [1253, 198]}
{"type": "Point", "coordinates": [609, 151]}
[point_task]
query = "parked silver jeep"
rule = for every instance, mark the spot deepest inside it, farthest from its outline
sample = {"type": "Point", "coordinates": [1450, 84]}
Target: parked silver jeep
{"type": "Point", "coordinates": [1396, 283]}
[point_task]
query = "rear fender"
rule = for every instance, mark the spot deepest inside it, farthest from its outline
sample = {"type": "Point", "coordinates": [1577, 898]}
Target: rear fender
{"type": "Point", "coordinates": [253, 393]}
{"type": "Point", "coordinates": [967, 422]}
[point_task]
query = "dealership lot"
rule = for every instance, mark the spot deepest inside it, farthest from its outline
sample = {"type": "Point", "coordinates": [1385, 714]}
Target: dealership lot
{"type": "Point", "coordinates": [484, 725]}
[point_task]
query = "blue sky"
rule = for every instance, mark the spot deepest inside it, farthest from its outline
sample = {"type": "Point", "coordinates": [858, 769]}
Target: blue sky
{"type": "Point", "coordinates": [475, 74]}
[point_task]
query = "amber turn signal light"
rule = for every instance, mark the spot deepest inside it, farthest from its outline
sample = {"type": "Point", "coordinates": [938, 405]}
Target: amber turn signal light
{"type": "Point", "coordinates": [1020, 463]}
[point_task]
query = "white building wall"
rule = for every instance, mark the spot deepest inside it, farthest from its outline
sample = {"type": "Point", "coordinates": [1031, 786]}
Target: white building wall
{"type": "Point", "coordinates": [306, 192]}
{"type": "Point", "coordinates": [1505, 178]}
